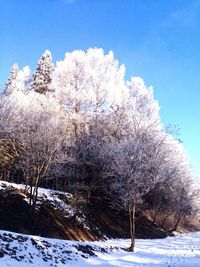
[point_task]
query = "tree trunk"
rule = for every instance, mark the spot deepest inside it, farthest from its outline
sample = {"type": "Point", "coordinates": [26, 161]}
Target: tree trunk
{"type": "Point", "coordinates": [155, 214]}
{"type": "Point", "coordinates": [88, 195]}
{"type": "Point", "coordinates": [165, 219]}
{"type": "Point", "coordinates": [178, 220]}
{"type": "Point", "coordinates": [132, 226]}
{"type": "Point", "coordinates": [35, 192]}
{"type": "Point", "coordinates": [31, 192]}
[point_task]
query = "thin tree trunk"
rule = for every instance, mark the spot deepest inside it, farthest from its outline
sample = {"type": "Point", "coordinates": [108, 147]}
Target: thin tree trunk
{"type": "Point", "coordinates": [35, 192]}
{"type": "Point", "coordinates": [31, 192]}
{"type": "Point", "coordinates": [88, 195]}
{"type": "Point", "coordinates": [178, 220]}
{"type": "Point", "coordinates": [35, 198]}
{"type": "Point", "coordinates": [163, 223]}
{"type": "Point", "coordinates": [155, 214]}
{"type": "Point", "coordinates": [26, 183]}
{"type": "Point", "coordinates": [132, 226]}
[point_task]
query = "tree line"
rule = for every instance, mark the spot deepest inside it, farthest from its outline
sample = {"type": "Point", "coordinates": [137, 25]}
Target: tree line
{"type": "Point", "coordinates": [80, 126]}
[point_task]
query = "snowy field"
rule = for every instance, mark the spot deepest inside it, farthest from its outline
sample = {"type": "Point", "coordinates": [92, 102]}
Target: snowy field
{"type": "Point", "coordinates": [18, 250]}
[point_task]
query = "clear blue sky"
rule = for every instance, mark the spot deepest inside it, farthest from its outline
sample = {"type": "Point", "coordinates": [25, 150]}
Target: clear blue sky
{"type": "Point", "coordinates": [158, 40]}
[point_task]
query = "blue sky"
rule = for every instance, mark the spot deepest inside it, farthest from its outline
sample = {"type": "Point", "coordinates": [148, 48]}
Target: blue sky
{"type": "Point", "coordinates": [158, 40]}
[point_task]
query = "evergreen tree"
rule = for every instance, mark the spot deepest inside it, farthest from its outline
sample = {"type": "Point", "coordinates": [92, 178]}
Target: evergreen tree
{"type": "Point", "coordinates": [41, 78]}
{"type": "Point", "coordinates": [11, 82]}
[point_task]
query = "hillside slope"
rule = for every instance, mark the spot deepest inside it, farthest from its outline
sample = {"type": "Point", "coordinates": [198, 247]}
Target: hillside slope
{"type": "Point", "coordinates": [66, 216]}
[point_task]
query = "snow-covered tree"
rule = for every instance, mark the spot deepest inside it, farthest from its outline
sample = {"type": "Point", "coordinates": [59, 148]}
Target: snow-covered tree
{"type": "Point", "coordinates": [41, 79]}
{"type": "Point", "coordinates": [10, 85]}
{"type": "Point", "coordinates": [112, 129]}
{"type": "Point", "coordinates": [18, 80]}
{"type": "Point", "coordinates": [89, 80]}
{"type": "Point", "coordinates": [136, 166]}
{"type": "Point", "coordinates": [88, 83]}
{"type": "Point", "coordinates": [176, 195]}
{"type": "Point", "coordinates": [36, 130]}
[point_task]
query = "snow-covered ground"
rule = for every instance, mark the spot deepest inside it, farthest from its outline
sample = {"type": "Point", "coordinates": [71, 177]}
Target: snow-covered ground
{"type": "Point", "coordinates": [56, 198]}
{"type": "Point", "coordinates": [17, 250]}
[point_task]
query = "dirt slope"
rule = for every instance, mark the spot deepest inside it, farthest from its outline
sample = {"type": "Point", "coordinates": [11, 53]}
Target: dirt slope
{"type": "Point", "coordinates": [66, 216]}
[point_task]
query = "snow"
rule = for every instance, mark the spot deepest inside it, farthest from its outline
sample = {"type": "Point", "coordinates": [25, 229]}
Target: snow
{"type": "Point", "coordinates": [60, 200]}
{"type": "Point", "coordinates": [52, 196]}
{"type": "Point", "coordinates": [18, 250]}
{"type": "Point", "coordinates": [26, 251]}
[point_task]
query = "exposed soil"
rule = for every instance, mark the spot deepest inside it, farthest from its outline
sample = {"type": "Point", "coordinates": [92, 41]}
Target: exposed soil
{"type": "Point", "coordinates": [48, 221]}
{"type": "Point", "coordinates": [116, 224]}
{"type": "Point", "coordinates": [16, 215]}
